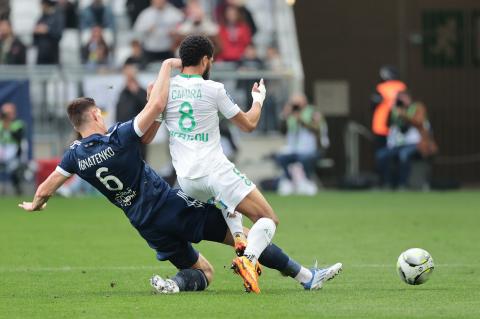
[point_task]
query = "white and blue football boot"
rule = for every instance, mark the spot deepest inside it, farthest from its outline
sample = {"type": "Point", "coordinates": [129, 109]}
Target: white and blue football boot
{"type": "Point", "coordinates": [164, 286]}
{"type": "Point", "coordinates": [322, 275]}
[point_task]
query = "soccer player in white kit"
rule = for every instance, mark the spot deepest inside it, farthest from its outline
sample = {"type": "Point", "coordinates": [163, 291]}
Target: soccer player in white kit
{"type": "Point", "coordinates": [203, 170]}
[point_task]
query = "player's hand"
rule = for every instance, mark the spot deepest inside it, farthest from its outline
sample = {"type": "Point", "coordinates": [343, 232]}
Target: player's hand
{"type": "Point", "coordinates": [259, 92]}
{"type": "Point", "coordinates": [174, 63]}
{"type": "Point", "coordinates": [28, 206]}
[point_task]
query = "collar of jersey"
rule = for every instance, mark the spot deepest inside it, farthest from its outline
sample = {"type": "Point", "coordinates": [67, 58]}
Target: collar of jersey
{"type": "Point", "coordinates": [91, 137]}
{"type": "Point", "coordinates": [190, 76]}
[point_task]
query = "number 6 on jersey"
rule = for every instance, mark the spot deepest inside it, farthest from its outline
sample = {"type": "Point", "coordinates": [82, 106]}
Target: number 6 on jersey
{"type": "Point", "coordinates": [109, 178]}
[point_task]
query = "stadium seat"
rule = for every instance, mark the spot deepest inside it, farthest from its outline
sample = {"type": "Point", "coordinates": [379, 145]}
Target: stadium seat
{"type": "Point", "coordinates": [70, 48]}
{"type": "Point", "coordinates": [24, 14]}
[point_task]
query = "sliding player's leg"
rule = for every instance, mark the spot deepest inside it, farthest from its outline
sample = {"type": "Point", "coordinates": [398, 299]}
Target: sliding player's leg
{"type": "Point", "coordinates": [195, 273]}
{"type": "Point", "coordinates": [272, 257]}
{"type": "Point", "coordinates": [311, 278]}
{"type": "Point", "coordinates": [195, 278]}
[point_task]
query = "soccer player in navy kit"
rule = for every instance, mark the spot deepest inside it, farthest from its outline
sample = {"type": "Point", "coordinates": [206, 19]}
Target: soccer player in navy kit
{"type": "Point", "coordinates": [166, 218]}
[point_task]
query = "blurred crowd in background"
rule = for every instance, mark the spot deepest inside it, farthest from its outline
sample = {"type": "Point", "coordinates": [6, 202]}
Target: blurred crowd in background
{"type": "Point", "coordinates": [403, 133]}
{"type": "Point", "coordinates": [159, 27]}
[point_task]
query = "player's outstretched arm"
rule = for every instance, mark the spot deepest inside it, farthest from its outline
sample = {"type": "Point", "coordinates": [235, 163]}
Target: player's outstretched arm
{"type": "Point", "coordinates": [149, 135]}
{"type": "Point", "coordinates": [158, 97]}
{"type": "Point", "coordinates": [248, 121]}
{"type": "Point", "coordinates": [44, 192]}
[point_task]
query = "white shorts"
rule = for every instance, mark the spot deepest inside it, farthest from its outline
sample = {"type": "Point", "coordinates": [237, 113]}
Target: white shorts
{"type": "Point", "coordinates": [226, 186]}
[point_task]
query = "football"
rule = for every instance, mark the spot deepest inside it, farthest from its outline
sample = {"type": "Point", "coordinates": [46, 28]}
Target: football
{"type": "Point", "coordinates": [415, 266]}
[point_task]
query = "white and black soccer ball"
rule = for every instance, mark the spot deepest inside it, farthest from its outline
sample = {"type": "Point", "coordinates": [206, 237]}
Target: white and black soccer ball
{"type": "Point", "coordinates": [415, 266]}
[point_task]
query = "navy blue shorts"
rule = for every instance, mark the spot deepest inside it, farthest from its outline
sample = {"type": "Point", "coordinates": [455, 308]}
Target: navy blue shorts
{"type": "Point", "coordinates": [180, 222]}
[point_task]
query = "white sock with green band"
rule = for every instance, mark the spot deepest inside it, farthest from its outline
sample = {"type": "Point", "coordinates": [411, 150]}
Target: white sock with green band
{"type": "Point", "coordinates": [234, 221]}
{"type": "Point", "coordinates": [259, 237]}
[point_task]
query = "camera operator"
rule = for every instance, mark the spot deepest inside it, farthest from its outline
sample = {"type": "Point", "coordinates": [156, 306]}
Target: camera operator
{"type": "Point", "coordinates": [12, 132]}
{"type": "Point", "coordinates": [307, 136]}
{"type": "Point", "coordinates": [409, 137]}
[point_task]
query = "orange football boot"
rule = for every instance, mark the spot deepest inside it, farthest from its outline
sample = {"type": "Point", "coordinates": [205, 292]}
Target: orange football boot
{"type": "Point", "coordinates": [249, 273]}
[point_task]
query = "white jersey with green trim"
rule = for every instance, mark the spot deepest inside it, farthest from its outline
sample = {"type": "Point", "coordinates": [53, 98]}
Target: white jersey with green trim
{"type": "Point", "coordinates": [191, 117]}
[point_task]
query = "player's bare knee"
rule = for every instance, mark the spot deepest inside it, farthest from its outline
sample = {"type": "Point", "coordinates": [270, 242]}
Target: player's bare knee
{"type": "Point", "coordinates": [269, 213]}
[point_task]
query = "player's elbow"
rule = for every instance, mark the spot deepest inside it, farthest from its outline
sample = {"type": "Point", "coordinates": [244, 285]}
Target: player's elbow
{"type": "Point", "coordinates": [146, 139]}
{"type": "Point", "coordinates": [248, 127]}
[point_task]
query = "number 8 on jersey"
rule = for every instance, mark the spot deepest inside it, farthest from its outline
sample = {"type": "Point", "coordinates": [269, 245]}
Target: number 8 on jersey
{"type": "Point", "coordinates": [186, 112]}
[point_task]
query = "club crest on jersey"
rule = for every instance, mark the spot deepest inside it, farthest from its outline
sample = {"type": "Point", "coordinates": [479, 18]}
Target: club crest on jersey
{"type": "Point", "coordinates": [125, 197]}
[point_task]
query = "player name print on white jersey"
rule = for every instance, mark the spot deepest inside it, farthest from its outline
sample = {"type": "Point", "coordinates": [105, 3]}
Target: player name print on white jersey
{"type": "Point", "coordinates": [192, 120]}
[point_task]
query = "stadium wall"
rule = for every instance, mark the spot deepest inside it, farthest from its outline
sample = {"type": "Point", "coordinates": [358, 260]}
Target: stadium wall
{"type": "Point", "coordinates": [350, 40]}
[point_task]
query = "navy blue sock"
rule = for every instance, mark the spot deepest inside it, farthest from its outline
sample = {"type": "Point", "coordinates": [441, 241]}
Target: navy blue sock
{"type": "Point", "coordinates": [191, 280]}
{"type": "Point", "coordinates": [273, 257]}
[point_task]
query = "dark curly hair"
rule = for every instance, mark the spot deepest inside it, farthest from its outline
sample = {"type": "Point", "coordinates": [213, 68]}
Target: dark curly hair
{"type": "Point", "coordinates": [193, 48]}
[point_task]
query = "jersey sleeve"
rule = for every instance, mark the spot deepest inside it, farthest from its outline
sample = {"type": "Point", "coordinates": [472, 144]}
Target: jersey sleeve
{"type": "Point", "coordinates": [225, 104]}
{"type": "Point", "coordinates": [68, 165]}
{"type": "Point", "coordinates": [129, 132]}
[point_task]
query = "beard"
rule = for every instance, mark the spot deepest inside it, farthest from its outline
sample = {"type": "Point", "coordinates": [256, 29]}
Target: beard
{"type": "Point", "coordinates": [206, 73]}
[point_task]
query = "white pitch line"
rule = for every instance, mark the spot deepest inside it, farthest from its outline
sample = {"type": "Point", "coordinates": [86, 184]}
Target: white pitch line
{"type": "Point", "coordinates": [164, 267]}
{"type": "Point", "coordinates": [394, 265]}
{"type": "Point", "coordinates": [80, 268]}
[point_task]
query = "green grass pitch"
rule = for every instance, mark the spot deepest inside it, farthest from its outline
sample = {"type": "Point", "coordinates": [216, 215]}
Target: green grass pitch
{"type": "Point", "coordinates": [81, 258]}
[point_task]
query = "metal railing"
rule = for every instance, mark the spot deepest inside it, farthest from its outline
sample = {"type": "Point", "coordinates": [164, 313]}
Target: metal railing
{"type": "Point", "coordinates": [52, 86]}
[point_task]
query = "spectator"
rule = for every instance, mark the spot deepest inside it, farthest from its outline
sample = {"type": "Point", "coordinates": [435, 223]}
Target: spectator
{"type": "Point", "coordinates": [382, 101]}
{"type": "Point", "coordinates": [307, 137]}
{"type": "Point", "coordinates": [134, 8]}
{"type": "Point", "coordinates": [97, 14]}
{"type": "Point", "coordinates": [196, 22]}
{"type": "Point", "coordinates": [234, 34]}
{"type": "Point", "coordinates": [132, 99]}
{"type": "Point", "coordinates": [95, 53]}
{"type": "Point", "coordinates": [69, 10]}
{"type": "Point", "coordinates": [136, 57]}
{"type": "Point", "coordinates": [409, 137]}
{"type": "Point", "coordinates": [4, 9]}
{"type": "Point", "coordinates": [12, 132]}
{"type": "Point", "coordinates": [12, 50]}
{"type": "Point", "coordinates": [222, 6]}
{"type": "Point", "coordinates": [47, 33]}
{"type": "Point", "coordinates": [250, 59]}
{"type": "Point", "coordinates": [274, 60]}
{"type": "Point", "coordinates": [157, 24]}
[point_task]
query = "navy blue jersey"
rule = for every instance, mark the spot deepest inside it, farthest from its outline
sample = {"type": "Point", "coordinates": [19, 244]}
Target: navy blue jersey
{"type": "Point", "coordinates": [112, 164]}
